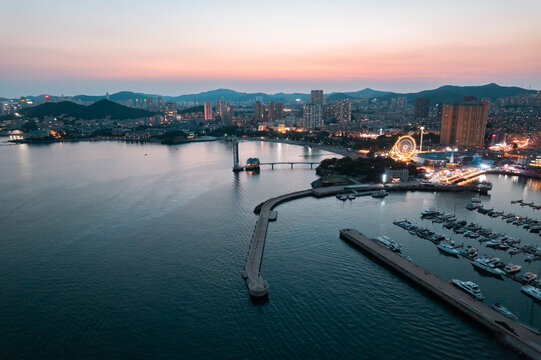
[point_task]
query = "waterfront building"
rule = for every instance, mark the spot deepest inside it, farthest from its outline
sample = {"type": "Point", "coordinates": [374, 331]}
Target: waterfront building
{"type": "Point", "coordinates": [535, 160]}
{"type": "Point", "coordinates": [421, 107]}
{"type": "Point", "coordinates": [312, 116]}
{"type": "Point", "coordinates": [464, 124]}
{"type": "Point", "coordinates": [208, 111]}
{"type": "Point", "coordinates": [317, 97]}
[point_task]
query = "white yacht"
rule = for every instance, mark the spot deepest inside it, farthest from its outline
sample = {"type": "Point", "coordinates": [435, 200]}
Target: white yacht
{"type": "Point", "coordinates": [486, 265]}
{"type": "Point", "coordinates": [532, 291]}
{"type": "Point", "coordinates": [388, 243]}
{"type": "Point", "coordinates": [447, 248]}
{"type": "Point", "coordinates": [470, 287]}
{"type": "Point", "coordinates": [430, 212]}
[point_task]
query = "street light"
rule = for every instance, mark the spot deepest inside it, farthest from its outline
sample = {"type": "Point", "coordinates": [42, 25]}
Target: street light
{"type": "Point", "coordinates": [421, 144]}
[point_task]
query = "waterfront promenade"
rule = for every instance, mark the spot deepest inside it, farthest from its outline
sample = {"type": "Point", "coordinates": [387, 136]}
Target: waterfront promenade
{"type": "Point", "coordinates": [257, 286]}
{"type": "Point", "coordinates": [514, 335]}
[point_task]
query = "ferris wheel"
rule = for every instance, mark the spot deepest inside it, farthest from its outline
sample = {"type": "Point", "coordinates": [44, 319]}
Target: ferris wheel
{"type": "Point", "coordinates": [404, 148]}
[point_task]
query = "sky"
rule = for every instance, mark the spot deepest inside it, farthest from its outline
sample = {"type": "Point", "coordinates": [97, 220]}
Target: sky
{"type": "Point", "coordinates": [174, 47]}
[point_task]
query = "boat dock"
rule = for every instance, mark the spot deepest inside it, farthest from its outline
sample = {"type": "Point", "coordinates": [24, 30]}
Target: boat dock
{"type": "Point", "coordinates": [257, 286]}
{"type": "Point", "coordinates": [521, 339]}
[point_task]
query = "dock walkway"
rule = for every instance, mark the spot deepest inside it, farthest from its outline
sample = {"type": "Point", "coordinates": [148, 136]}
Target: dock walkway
{"type": "Point", "coordinates": [257, 286]}
{"type": "Point", "coordinates": [514, 335]}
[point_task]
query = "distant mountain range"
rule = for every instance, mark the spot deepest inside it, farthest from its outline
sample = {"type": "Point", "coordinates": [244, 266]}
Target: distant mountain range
{"type": "Point", "coordinates": [449, 93]}
{"type": "Point", "coordinates": [98, 110]}
{"type": "Point", "coordinates": [444, 94]}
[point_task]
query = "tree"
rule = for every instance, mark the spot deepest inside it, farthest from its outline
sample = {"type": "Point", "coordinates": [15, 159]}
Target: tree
{"type": "Point", "coordinates": [29, 126]}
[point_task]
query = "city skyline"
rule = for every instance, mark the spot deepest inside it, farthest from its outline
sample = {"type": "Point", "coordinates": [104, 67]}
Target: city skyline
{"type": "Point", "coordinates": [184, 47]}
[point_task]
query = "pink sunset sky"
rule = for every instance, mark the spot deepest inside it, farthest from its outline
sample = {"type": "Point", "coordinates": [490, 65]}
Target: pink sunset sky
{"type": "Point", "coordinates": [174, 47]}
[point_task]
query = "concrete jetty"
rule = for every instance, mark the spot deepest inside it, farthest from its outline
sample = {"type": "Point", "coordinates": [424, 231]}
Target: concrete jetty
{"type": "Point", "coordinates": [523, 340]}
{"type": "Point", "coordinates": [257, 286]}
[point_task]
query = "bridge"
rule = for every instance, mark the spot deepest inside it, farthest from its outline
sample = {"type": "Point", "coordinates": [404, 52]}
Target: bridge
{"type": "Point", "coordinates": [291, 163]}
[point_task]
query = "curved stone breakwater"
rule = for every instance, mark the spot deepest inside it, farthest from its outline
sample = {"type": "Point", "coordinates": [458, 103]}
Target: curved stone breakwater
{"type": "Point", "coordinates": [257, 286]}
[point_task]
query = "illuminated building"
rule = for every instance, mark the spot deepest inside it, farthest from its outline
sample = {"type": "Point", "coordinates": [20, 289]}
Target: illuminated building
{"type": "Point", "coordinates": [208, 111]}
{"type": "Point", "coordinates": [259, 112]}
{"type": "Point", "coordinates": [536, 161]}
{"type": "Point", "coordinates": [170, 110]}
{"type": "Point", "coordinates": [343, 111]}
{"type": "Point", "coordinates": [464, 124]}
{"type": "Point", "coordinates": [220, 107]}
{"type": "Point", "coordinates": [312, 116]}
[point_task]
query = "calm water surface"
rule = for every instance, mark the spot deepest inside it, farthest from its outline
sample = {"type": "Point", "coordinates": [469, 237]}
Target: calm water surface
{"type": "Point", "coordinates": [135, 251]}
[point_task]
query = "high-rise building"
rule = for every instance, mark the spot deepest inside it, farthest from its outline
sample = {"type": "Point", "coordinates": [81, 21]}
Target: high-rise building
{"type": "Point", "coordinates": [220, 107]}
{"type": "Point", "coordinates": [228, 115]}
{"type": "Point", "coordinates": [208, 110]}
{"type": "Point", "coordinates": [343, 111]}
{"type": "Point", "coordinates": [421, 107]}
{"type": "Point", "coordinates": [317, 98]}
{"type": "Point", "coordinates": [312, 116]}
{"type": "Point", "coordinates": [270, 111]}
{"type": "Point", "coordinates": [278, 111]}
{"type": "Point", "coordinates": [464, 124]}
{"type": "Point", "coordinates": [259, 112]}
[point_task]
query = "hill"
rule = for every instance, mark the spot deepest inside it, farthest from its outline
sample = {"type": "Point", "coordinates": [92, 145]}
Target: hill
{"type": "Point", "coordinates": [449, 94]}
{"type": "Point", "coordinates": [98, 110]}
{"type": "Point", "coordinates": [193, 109]}
{"type": "Point", "coordinates": [338, 96]}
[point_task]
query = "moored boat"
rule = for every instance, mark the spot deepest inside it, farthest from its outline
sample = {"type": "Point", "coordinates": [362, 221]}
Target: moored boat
{"type": "Point", "coordinates": [529, 277]}
{"type": "Point", "coordinates": [470, 287]}
{"type": "Point", "coordinates": [512, 268]}
{"type": "Point", "coordinates": [388, 243]}
{"type": "Point", "coordinates": [447, 248]}
{"type": "Point", "coordinates": [486, 265]}
{"type": "Point", "coordinates": [379, 194]}
{"type": "Point", "coordinates": [504, 311]}
{"type": "Point", "coordinates": [532, 291]}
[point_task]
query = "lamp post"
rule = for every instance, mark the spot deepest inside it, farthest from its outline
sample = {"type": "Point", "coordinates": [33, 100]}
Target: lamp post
{"type": "Point", "coordinates": [421, 144]}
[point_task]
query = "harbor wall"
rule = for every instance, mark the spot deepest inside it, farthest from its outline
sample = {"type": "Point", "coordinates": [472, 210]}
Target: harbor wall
{"type": "Point", "coordinates": [512, 334]}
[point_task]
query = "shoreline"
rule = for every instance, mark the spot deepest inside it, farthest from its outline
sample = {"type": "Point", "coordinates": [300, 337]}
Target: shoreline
{"type": "Point", "coordinates": [338, 150]}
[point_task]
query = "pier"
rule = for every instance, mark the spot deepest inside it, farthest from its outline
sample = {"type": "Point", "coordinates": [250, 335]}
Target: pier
{"type": "Point", "coordinates": [291, 163]}
{"type": "Point", "coordinates": [257, 286]}
{"type": "Point", "coordinates": [523, 340]}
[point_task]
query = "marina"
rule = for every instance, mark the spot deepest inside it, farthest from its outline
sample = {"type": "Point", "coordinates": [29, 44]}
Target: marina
{"type": "Point", "coordinates": [489, 265]}
{"type": "Point", "coordinates": [511, 333]}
